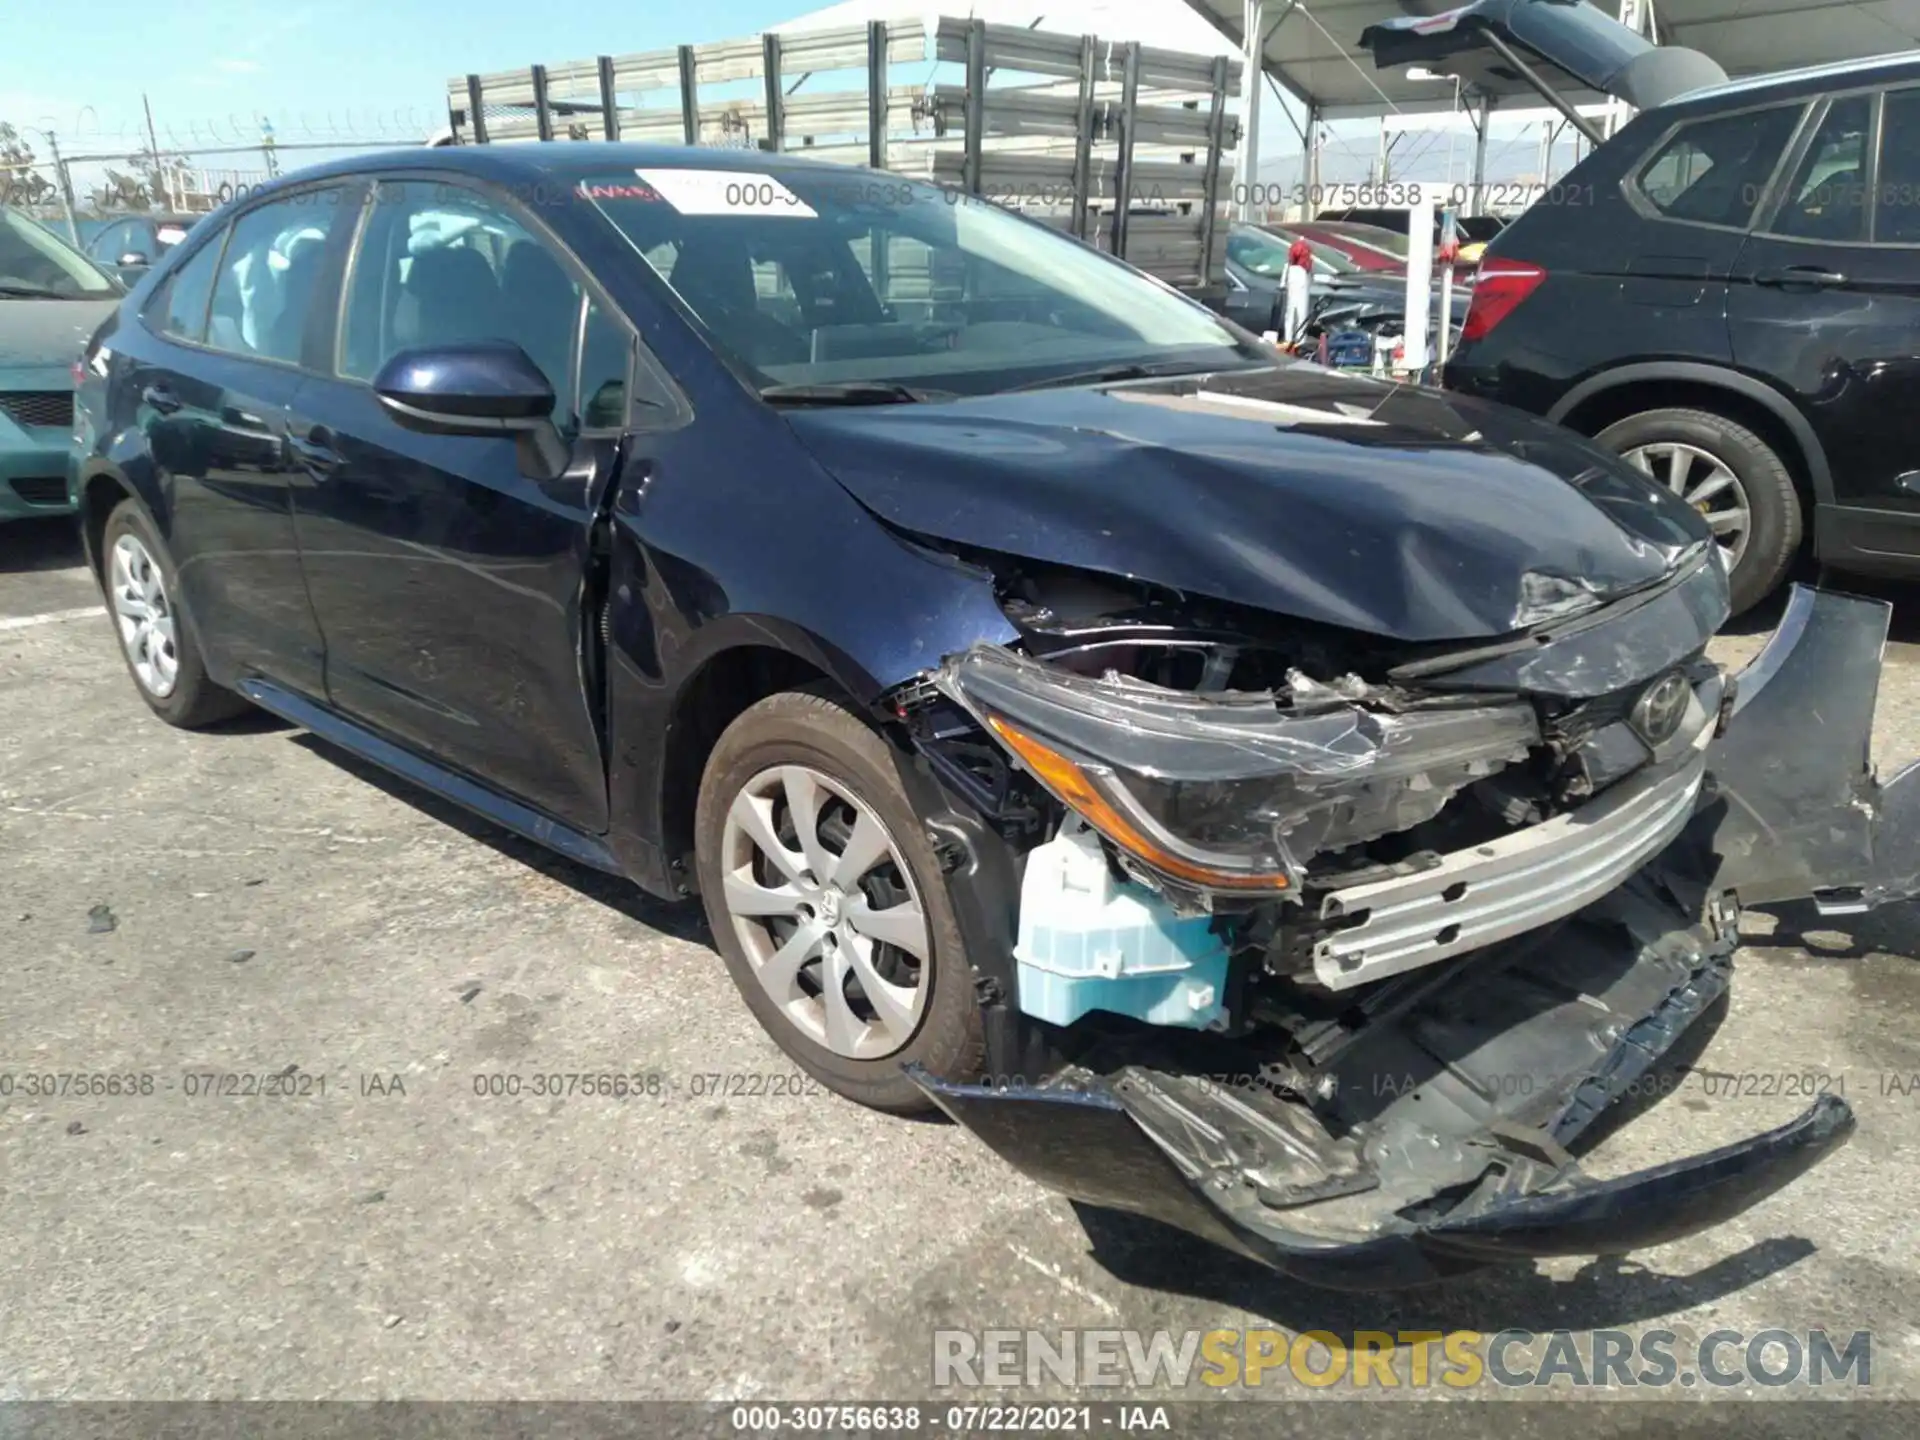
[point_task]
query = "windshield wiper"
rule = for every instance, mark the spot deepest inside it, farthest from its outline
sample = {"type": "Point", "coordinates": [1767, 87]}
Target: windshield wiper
{"type": "Point", "coordinates": [1133, 371]}
{"type": "Point", "coordinates": [850, 392]}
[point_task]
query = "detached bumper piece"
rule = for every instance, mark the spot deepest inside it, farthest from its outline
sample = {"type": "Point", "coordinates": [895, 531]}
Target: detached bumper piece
{"type": "Point", "coordinates": [1435, 1139]}
{"type": "Point", "coordinates": [1798, 812]}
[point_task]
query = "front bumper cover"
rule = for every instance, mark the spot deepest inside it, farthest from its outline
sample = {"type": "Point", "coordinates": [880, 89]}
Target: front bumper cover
{"type": "Point", "coordinates": [1436, 1141]}
{"type": "Point", "coordinates": [1454, 1119]}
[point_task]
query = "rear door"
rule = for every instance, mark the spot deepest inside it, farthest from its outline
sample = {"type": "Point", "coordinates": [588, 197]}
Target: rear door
{"type": "Point", "coordinates": [449, 584]}
{"type": "Point", "coordinates": [1826, 299]}
{"type": "Point", "coordinates": [211, 396]}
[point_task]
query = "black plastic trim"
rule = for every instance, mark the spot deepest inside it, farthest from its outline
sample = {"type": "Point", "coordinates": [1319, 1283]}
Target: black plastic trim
{"type": "Point", "coordinates": [469, 794]}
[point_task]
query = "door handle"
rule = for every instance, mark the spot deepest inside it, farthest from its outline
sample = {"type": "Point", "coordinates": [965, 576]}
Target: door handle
{"type": "Point", "coordinates": [1812, 276]}
{"type": "Point", "coordinates": [160, 398]}
{"type": "Point", "coordinates": [314, 451]}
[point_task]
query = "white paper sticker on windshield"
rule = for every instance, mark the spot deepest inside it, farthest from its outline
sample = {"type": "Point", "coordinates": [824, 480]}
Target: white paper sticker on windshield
{"type": "Point", "coordinates": [725, 192]}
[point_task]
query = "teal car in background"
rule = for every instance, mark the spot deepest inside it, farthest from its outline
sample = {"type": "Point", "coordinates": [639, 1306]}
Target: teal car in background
{"type": "Point", "coordinates": [52, 298]}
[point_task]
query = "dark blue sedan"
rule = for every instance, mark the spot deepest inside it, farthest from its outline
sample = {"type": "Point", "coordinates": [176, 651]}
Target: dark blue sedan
{"type": "Point", "coordinates": [1068, 711]}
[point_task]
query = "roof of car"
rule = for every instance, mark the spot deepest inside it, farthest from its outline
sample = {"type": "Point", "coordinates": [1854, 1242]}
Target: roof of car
{"type": "Point", "coordinates": [1881, 69]}
{"type": "Point", "coordinates": [567, 158]}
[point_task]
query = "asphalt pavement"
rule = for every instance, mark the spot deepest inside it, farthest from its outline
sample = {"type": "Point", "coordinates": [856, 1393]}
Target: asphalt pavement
{"type": "Point", "coordinates": [252, 903]}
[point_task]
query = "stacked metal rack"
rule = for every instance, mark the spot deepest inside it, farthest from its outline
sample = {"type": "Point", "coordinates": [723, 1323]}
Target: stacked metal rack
{"type": "Point", "coordinates": [1123, 145]}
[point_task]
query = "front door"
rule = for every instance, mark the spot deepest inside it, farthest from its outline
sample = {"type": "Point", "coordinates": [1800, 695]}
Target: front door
{"type": "Point", "coordinates": [447, 583]}
{"type": "Point", "coordinates": [1827, 296]}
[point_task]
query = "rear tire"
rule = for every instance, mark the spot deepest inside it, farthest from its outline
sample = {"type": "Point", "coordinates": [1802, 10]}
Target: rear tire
{"type": "Point", "coordinates": [1765, 484]}
{"type": "Point", "coordinates": [142, 590]}
{"type": "Point", "coordinates": [802, 770]}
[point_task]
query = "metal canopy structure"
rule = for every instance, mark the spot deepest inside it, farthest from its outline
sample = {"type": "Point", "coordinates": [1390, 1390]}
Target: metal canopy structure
{"type": "Point", "coordinates": [1312, 47]}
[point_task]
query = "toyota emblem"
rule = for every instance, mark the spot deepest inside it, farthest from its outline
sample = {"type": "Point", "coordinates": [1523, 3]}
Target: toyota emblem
{"type": "Point", "coordinates": [1660, 708]}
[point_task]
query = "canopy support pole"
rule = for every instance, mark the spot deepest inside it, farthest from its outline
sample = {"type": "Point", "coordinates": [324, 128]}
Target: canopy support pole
{"type": "Point", "coordinates": [1481, 122]}
{"type": "Point", "coordinates": [1254, 27]}
{"type": "Point", "coordinates": [1310, 163]}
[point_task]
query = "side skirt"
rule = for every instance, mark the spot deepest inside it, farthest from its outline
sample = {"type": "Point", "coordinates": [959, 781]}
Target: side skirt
{"type": "Point", "coordinates": [489, 804]}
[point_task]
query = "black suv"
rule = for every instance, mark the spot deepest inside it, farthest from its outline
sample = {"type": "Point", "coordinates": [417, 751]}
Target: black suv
{"type": "Point", "coordinates": [1728, 292]}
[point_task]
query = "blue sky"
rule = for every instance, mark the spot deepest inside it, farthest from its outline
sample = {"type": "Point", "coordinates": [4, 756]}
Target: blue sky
{"type": "Point", "coordinates": [210, 67]}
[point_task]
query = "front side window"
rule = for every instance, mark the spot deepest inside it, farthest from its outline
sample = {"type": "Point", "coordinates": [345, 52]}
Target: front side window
{"type": "Point", "coordinates": [1712, 172]}
{"type": "Point", "coordinates": [781, 273]}
{"type": "Point", "coordinates": [443, 265]}
{"type": "Point", "coordinates": [111, 243]}
{"type": "Point", "coordinates": [266, 288]}
{"type": "Point", "coordinates": [36, 264]}
{"type": "Point", "coordinates": [1826, 199]}
{"type": "Point", "coordinates": [606, 359]}
{"type": "Point", "coordinates": [1897, 216]}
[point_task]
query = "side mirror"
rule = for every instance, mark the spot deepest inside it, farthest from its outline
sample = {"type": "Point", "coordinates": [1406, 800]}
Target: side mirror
{"type": "Point", "coordinates": [485, 387]}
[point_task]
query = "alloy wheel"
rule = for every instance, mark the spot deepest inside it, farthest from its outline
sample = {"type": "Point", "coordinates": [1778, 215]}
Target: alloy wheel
{"type": "Point", "coordinates": [1704, 481]}
{"type": "Point", "coordinates": [825, 908]}
{"type": "Point", "coordinates": [145, 617]}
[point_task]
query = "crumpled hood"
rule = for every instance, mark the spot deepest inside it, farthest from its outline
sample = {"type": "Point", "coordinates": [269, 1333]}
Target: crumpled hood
{"type": "Point", "coordinates": [47, 334]}
{"type": "Point", "coordinates": [1397, 511]}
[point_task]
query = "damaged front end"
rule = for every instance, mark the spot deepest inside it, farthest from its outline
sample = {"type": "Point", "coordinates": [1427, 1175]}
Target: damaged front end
{"type": "Point", "coordinates": [1332, 954]}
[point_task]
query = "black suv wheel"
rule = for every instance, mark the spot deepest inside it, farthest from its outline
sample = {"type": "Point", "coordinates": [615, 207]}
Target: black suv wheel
{"type": "Point", "coordinates": [1732, 477]}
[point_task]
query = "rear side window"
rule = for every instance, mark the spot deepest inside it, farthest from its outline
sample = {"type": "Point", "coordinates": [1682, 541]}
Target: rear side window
{"type": "Point", "coordinates": [1897, 219]}
{"type": "Point", "coordinates": [1827, 197]}
{"type": "Point", "coordinates": [265, 290]}
{"type": "Point", "coordinates": [181, 312]}
{"type": "Point", "coordinates": [1712, 172]}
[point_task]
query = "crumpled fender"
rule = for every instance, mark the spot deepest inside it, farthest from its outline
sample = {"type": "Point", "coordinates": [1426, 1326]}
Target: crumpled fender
{"type": "Point", "coordinates": [1797, 810]}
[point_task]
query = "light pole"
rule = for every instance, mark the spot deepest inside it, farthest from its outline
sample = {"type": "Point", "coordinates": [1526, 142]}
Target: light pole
{"type": "Point", "coordinates": [64, 181]}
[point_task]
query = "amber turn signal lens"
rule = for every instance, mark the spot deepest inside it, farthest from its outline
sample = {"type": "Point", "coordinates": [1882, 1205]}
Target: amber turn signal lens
{"type": "Point", "coordinates": [1076, 789]}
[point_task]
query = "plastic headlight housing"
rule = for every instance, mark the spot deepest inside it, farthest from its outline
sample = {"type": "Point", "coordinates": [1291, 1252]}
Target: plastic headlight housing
{"type": "Point", "coordinates": [1236, 791]}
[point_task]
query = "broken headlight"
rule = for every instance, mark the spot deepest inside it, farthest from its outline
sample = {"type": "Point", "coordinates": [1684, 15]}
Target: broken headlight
{"type": "Point", "coordinates": [1234, 791]}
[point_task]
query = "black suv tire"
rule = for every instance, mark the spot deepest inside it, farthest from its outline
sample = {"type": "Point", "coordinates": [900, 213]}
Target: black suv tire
{"type": "Point", "coordinates": [1773, 504]}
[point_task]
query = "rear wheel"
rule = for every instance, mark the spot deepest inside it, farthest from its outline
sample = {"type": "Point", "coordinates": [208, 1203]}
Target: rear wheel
{"type": "Point", "coordinates": [828, 904]}
{"type": "Point", "coordinates": [1738, 483]}
{"type": "Point", "coordinates": [155, 640]}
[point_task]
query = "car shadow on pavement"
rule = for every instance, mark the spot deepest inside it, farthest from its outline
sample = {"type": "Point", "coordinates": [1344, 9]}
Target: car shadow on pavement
{"type": "Point", "coordinates": [682, 921]}
{"type": "Point", "coordinates": [1799, 924]}
{"type": "Point", "coordinates": [50, 544]}
{"type": "Point", "coordinates": [1904, 596]}
{"type": "Point", "coordinates": [1606, 1292]}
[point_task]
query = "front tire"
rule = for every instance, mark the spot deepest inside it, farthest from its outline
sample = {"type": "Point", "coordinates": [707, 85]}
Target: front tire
{"type": "Point", "coordinates": [828, 904]}
{"type": "Point", "coordinates": [1732, 477]}
{"type": "Point", "coordinates": [142, 590]}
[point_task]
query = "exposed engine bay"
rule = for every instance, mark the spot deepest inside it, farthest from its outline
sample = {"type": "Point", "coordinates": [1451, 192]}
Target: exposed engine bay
{"type": "Point", "coordinates": [1345, 942]}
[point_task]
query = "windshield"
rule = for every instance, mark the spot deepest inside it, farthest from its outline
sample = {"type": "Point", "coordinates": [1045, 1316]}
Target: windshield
{"type": "Point", "coordinates": [842, 278]}
{"type": "Point", "coordinates": [34, 262]}
{"type": "Point", "coordinates": [1372, 236]}
{"type": "Point", "coordinates": [1264, 252]}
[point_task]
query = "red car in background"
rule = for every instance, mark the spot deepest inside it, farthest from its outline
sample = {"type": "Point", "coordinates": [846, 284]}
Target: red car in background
{"type": "Point", "coordinates": [1366, 246]}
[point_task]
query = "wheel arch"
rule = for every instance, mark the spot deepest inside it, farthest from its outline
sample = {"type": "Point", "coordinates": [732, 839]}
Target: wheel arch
{"type": "Point", "coordinates": [103, 486]}
{"type": "Point", "coordinates": [1612, 395]}
{"type": "Point", "coordinates": [717, 688]}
